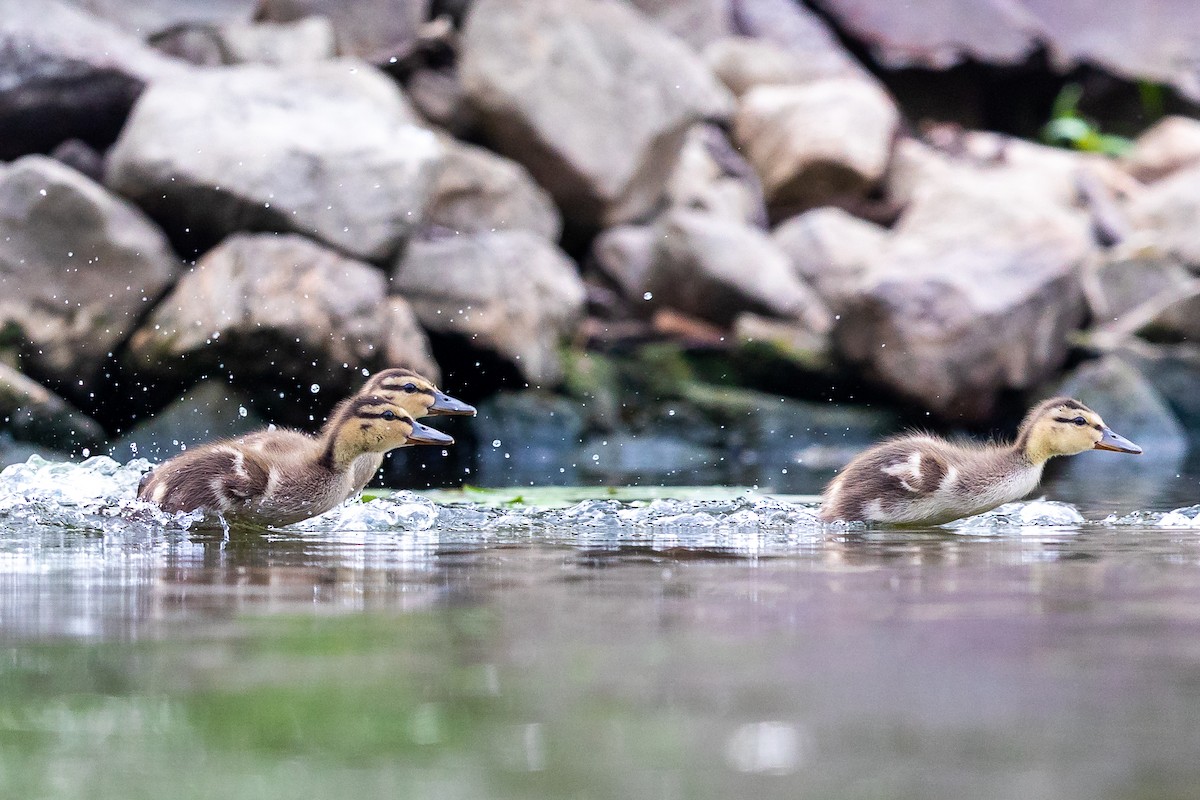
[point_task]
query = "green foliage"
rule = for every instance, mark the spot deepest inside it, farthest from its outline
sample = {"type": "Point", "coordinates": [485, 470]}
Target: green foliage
{"type": "Point", "coordinates": [1070, 128]}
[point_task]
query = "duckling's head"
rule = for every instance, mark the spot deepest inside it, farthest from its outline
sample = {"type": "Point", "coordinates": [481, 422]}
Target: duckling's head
{"type": "Point", "coordinates": [417, 394]}
{"type": "Point", "coordinates": [1062, 426]}
{"type": "Point", "coordinates": [373, 424]}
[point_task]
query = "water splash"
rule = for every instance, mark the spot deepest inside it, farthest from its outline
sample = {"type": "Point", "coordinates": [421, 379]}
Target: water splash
{"type": "Point", "coordinates": [1034, 516]}
{"type": "Point", "coordinates": [101, 494]}
{"type": "Point", "coordinates": [96, 494]}
{"type": "Point", "coordinates": [1187, 517]}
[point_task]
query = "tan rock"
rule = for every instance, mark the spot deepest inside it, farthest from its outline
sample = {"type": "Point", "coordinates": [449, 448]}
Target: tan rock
{"type": "Point", "coordinates": [817, 142]}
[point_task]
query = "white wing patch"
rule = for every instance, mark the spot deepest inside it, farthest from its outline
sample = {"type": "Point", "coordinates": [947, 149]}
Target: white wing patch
{"type": "Point", "coordinates": [909, 469]}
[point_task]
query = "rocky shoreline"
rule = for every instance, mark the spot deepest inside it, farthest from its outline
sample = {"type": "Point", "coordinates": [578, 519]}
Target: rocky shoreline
{"type": "Point", "coordinates": [625, 228]}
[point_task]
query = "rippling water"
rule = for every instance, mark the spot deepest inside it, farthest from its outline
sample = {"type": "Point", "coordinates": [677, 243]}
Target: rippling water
{"type": "Point", "coordinates": [715, 643]}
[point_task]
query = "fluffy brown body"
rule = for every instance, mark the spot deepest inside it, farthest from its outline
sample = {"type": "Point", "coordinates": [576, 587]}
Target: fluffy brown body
{"type": "Point", "coordinates": [919, 479]}
{"type": "Point", "coordinates": [278, 477]}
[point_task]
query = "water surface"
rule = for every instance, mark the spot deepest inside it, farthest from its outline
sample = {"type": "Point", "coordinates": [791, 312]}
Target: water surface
{"type": "Point", "coordinates": [668, 644]}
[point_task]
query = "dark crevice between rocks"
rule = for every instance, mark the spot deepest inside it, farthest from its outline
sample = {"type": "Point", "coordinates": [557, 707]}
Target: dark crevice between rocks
{"type": "Point", "coordinates": [42, 116]}
{"type": "Point", "coordinates": [1018, 99]}
{"type": "Point", "coordinates": [473, 373]}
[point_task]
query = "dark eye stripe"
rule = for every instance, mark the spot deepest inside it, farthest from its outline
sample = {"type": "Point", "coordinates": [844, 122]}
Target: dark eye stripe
{"type": "Point", "coordinates": [399, 387]}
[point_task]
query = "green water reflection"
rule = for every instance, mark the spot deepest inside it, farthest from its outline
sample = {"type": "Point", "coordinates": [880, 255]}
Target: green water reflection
{"type": "Point", "coordinates": [1053, 663]}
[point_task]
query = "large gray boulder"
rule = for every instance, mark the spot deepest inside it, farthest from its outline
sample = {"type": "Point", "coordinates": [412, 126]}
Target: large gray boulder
{"type": "Point", "coordinates": [832, 251]}
{"type": "Point", "coordinates": [817, 142]}
{"type": "Point", "coordinates": [477, 190]}
{"type": "Point", "coordinates": [973, 295]}
{"type": "Point", "coordinates": [374, 30]}
{"type": "Point", "coordinates": [550, 81]}
{"type": "Point", "coordinates": [30, 412]}
{"type": "Point", "coordinates": [714, 269]}
{"type": "Point", "coordinates": [277, 310]}
{"type": "Point", "coordinates": [510, 293]}
{"type": "Point", "coordinates": [65, 73]}
{"type": "Point", "coordinates": [78, 268]}
{"type": "Point", "coordinates": [328, 149]}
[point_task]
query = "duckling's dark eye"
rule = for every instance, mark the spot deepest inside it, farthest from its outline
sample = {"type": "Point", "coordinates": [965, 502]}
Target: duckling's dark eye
{"type": "Point", "coordinates": [409, 387]}
{"type": "Point", "coordinates": [389, 414]}
{"type": "Point", "coordinates": [1079, 421]}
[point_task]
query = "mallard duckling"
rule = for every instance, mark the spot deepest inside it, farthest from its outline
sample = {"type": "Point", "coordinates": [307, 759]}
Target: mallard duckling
{"type": "Point", "coordinates": [414, 393]}
{"type": "Point", "coordinates": [281, 477]}
{"type": "Point", "coordinates": [922, 479]}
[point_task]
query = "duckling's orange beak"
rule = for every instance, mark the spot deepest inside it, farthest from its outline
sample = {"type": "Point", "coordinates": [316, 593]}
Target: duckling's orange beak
{"type": "Point", "coordinates": [1116, 442]}
{"type": "Point", "coordinates": [445, 404]}
{"type": "Point", "coordinates": [423, 434]}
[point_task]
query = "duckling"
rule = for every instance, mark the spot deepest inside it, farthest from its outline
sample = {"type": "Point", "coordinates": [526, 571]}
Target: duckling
{"type": "Point", "coordinates": [411, 391]}
{"type": "Point", "coordinates": [919, 479]}
{"type": "Point", "coordinates": [281, 477]}
{"type": "Point", "coordinates": [418, 396]}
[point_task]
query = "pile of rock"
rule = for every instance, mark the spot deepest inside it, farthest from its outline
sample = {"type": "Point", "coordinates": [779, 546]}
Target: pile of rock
{"type": "Point", "coordinates": [278, 195]}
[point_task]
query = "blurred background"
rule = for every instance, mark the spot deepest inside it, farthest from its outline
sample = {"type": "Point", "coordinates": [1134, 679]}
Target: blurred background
{"type": "Point", "coordinates": [655, 241]}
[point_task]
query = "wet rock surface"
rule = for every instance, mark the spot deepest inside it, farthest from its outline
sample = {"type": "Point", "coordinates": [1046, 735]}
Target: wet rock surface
{"type": "Point", "coordinates": [251, 147]}
{"type": "Point", "coordinates": [29, 412]}
{"type": "Point", "coordinates": [268, 311]}
{"type": "Point", "coordinates": [208, 411]}
{"type": "Point", "coordinates": [78, 269]}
